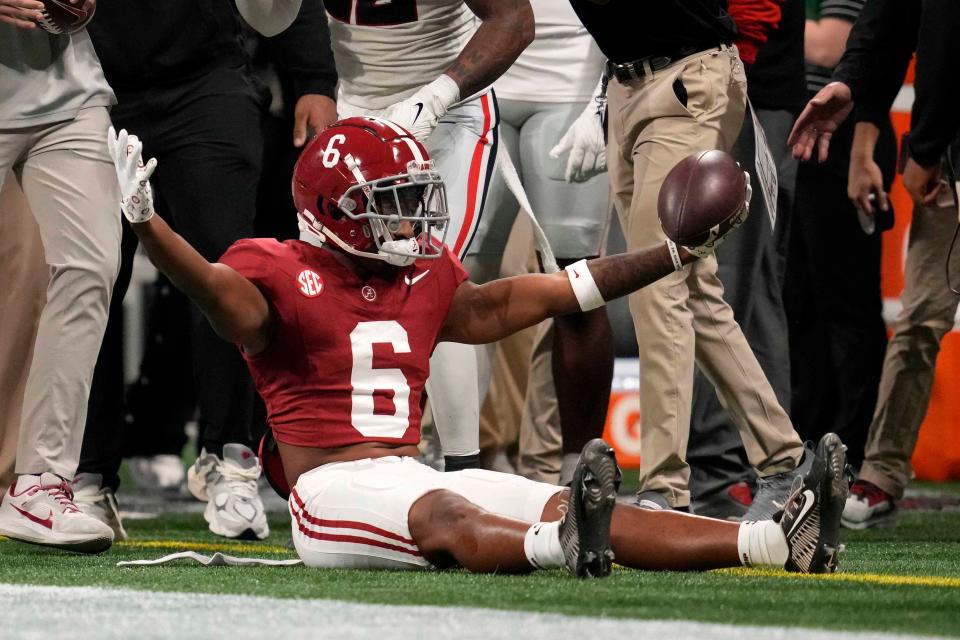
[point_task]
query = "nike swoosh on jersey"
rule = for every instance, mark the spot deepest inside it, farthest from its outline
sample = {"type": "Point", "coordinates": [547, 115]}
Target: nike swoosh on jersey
{"type": "Point", "coordinates": [807, 505]}
{"type": "Point", "coordinates": [419, 111]}
{"type": "Point", "coordinates": [415, 279]}
{"type": "Point", "coordinates": [46, 522]}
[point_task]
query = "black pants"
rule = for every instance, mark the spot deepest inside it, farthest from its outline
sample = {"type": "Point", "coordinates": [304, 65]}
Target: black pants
{"type": "Point", "coordinates": [752, 264]}
{"type": "Point", "coordinates": [207, 137]}
{"type": "Point", "coordinates": [837, 334]}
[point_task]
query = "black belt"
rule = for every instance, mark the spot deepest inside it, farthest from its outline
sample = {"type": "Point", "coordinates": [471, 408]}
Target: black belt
{"type": "Point", "coordinates": [624, 71]}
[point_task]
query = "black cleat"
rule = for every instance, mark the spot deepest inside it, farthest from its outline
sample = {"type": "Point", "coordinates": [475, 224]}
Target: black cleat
{"type": "Point", "coordinates": [585, 528]}
{"type": "Point", "coordinates": [811, 517]}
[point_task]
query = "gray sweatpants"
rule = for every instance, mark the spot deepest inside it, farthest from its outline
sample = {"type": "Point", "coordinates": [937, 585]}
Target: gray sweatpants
{"type": "Point", "coordinates": [70, 184]}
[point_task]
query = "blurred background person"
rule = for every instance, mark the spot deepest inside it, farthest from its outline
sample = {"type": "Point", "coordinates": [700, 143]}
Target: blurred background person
{"type": "Point", "coordinates": [185, 86]}
{"type": "Point", "coordinates": [837, 333]}
{"type": "Point", "coordinates": [53, 123]}
{"type": "Point", "coordinates": [551, 109]}
{"type": "Point", "coordinates": [869, 76]}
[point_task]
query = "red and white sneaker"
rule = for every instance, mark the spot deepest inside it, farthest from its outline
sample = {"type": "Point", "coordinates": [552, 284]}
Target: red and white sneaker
{"type": "Point", "coordinates": [867, 506]}
{"type": "Point", "coordinates": [40, 510]}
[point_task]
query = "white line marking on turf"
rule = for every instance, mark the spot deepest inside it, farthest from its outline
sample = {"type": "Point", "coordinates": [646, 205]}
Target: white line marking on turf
{"type": "Point", "coordinates": [40, 612]}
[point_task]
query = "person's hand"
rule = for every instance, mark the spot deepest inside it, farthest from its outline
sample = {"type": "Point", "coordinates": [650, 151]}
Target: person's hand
{"type": "Point", "coordinates": [21, 13]}
{"type": "Point", "coordinates": [825, 112]}
{"type": "Point", "coordinates": [865, 186]}
{"type": "Point", "coordinates": [718, 234]}
{"type": "Point", "coordinates": [315, 111]}
{"type": "Point", "coordinates": [136, 197]}
{"type": "Point", "coordinates": [420, 113]}
{"type": "Point", "coordinates": [922, 183]}
{"type": "Point", "coordinates": [584, 142]}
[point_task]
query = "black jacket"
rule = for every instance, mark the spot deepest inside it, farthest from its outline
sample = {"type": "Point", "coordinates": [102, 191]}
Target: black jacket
{"type": "Point", "coordinates": [878, 52]}
{"type": "Point", "coordinates": [144, 44]}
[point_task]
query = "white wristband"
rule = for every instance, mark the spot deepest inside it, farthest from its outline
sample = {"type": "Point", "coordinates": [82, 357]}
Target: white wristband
{"type": "Point", "coordinates": [674, 255]}
{"type": "Point", "coordinates": [584, 286]}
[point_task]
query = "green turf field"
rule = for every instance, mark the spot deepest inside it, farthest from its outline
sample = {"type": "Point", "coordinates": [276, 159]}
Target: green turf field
{"type": "Point", "coordinates": [904, 579]}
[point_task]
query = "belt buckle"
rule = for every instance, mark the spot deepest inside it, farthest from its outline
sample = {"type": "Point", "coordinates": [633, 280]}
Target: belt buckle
{"type": "Point", "coordinates": [659, 62]}
{"type": "Point", "coordinates": [626, 70]}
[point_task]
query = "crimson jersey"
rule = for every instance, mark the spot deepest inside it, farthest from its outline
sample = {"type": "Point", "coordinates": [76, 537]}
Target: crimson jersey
{"type": "Point", "coordinates": [351, 355]}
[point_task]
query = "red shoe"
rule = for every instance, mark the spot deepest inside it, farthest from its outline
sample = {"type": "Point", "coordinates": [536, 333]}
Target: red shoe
{"type": "Point", "coordinates": [868, 505]}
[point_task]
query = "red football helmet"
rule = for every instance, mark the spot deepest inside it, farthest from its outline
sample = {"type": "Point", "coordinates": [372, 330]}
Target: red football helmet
{"type": "Point", "coordinates": [359, 180]}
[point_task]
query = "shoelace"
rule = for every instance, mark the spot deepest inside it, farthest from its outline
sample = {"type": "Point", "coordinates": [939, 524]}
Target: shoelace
{"type": "Point", "coordinates": [241, 482]}
{"type": "Point", "coordinates": [63, 494]}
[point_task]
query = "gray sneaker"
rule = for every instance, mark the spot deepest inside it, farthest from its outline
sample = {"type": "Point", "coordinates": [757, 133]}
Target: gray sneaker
{"type": "Point", "coordinates": [773, 491]}
{"type": "Point", "coordinates": [653, 501]}
{"type": "Point", "coordinates": [98, 502]}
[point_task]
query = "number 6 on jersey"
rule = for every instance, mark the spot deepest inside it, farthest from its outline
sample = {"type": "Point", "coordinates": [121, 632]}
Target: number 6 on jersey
{"type": "Point", "coordinates": [366, 380]}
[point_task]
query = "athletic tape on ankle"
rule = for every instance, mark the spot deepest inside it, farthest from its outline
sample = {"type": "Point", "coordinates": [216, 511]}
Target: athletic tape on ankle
{"type": "Point", "coordinates": [674, 255]}
{"type": "Point", "coordinates": [584, 286]}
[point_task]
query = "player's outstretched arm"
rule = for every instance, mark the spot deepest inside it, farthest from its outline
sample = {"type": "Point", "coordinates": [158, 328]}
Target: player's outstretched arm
{"type": "Point", "coordinates": [236, 309]}
{"type": "Point", "coordinates": [489, 312]}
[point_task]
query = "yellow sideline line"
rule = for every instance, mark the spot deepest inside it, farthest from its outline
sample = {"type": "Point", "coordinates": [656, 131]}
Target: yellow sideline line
{"type": "Point", "coordinates": [864, 578]}
{"type": "Point", "coordinates": [868, 578]}
{"type": "Point", "coordinates": [188, 545]}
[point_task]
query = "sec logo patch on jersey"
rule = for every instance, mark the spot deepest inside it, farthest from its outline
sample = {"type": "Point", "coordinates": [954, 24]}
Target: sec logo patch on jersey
{"type": "Point", "coordinates": [309, 283]}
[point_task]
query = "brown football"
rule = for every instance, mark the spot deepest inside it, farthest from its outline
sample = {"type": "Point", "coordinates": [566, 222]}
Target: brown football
{"type": "Point", "coordinates": [59, 16]}
{"type": "Point", "coordinates": [703, 191]}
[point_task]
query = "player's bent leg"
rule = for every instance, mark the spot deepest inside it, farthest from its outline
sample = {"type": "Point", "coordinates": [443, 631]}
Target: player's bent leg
{"type": "Point", "coordinates": [450, 530]}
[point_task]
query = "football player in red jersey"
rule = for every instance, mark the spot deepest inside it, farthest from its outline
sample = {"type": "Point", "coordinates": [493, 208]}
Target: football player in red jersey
{"type": "Point", "coordinates": [338, 327]}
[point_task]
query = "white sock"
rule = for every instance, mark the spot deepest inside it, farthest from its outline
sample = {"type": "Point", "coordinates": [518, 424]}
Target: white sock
{"type": "Point", "coordinates": [762, 543]}
{"type": "Point", "coordinates": [567, 467]}
{"type": "Point", "coordinates": [542, 545]}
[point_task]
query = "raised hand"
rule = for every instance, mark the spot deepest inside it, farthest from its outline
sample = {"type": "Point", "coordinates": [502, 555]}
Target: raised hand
{"type": "Point", "coordinates": [136, 197]}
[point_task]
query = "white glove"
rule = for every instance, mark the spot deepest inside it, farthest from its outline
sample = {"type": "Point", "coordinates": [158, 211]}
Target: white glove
{"type": "Point", "coordinates": [584, 141]}
{"type": "Point", "coordinates": [420, 113]}
{"type": "Point", "coordinates": [136, 197]}
{"type": "Point", "coordinates": [716, 237]}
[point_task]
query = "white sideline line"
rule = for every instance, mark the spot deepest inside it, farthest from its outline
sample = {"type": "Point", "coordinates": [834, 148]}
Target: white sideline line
{"type": "Point", "coordinates": [41, 612]}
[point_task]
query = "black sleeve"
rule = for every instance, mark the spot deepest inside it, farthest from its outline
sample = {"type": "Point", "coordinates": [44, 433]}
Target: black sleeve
{"type": "Point", "coordinates": [303, 51]}
{"type": "Point", "coordinates": [935, 119]}
{"type": "Point", "coordinates": [878, 51]}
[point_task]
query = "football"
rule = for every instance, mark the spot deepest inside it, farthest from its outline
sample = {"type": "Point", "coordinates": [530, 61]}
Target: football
{"type": "Point", "coordinates": [59, 16]}
{"type": "Point", "coordinates": [701, 198]}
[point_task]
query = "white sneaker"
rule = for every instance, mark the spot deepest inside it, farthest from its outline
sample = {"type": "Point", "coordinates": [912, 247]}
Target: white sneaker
{"type": "Point", "coordinates": [40, 510]}
{"type": "Point", "coordinates": [98, 502]}
{"type": "Point", "coordinates": [229, 487]}
{"type": "Point", "coordinates": [162, 473]}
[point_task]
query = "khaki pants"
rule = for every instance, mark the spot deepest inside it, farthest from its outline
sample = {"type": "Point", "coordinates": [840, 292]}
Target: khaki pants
{"type": "Point", "coordinates": [24, 278]}
{"type": "Point", "coordinates": [928, 313]}
{"type": "Point", "coordinates": [695, 103]}
{"type": "Point", "coordinates": [71, 187]}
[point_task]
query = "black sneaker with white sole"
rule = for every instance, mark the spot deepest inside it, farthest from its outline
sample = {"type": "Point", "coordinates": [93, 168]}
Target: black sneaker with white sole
{"type": "Point", "coordinates": [811, 517]}
{"type": "Point", "coordinates": [585, 528]}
